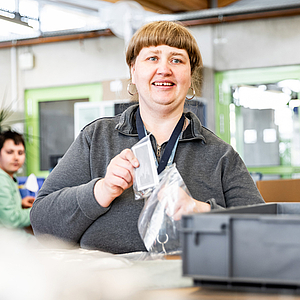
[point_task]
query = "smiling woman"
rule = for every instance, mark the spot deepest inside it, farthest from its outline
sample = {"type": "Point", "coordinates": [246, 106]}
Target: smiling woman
{"type": "Point", "coordinates": [88, 198]}
{"type": "Point", "coordinates": [162, 57]}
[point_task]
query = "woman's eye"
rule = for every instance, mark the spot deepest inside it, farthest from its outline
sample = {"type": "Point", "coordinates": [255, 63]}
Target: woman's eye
{"type": "Point", "coordinates": [176, 60]}
{"type": "Point", "coordinates": [152, 58]}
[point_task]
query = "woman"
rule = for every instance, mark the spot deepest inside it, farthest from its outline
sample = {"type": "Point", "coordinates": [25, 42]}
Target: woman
{"type": "Point", "coordinates": [88, 198]}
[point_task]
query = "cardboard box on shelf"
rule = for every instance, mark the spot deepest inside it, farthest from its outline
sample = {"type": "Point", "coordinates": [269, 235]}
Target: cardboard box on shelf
{"type": "Point", "coordinates": [282, 190]}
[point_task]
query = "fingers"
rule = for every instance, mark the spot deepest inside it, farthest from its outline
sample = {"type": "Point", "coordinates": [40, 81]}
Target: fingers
{"type": "Point", "coordinates": [119, 177]}
{"type": "Point", "coordinates": [176, 202]}
{"type": "Point", "coordinates": [122, 167]}
{"type": "Point", "coordinates": [128, 155]}
{"type": "Point", "coordinates": [30, 199]}
{"type": "Point", "coordinates": [190, 206]}
{"type": "Point", "coordinates": [27, 201]}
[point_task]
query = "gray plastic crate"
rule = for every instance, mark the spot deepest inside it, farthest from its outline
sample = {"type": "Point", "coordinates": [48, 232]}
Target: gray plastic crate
{"type": "Point", "coordinates": [254, 247]}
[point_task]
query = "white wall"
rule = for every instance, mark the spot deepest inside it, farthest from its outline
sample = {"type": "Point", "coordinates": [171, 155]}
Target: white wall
{"type": "Point", "coordinates": [5, 74]}
{"type": "Point", "coordinates": [204, 37]}
{"type": "Point", "coordinates": [259, 43]}
{"type": "Point", "coordinates": [76, 62]}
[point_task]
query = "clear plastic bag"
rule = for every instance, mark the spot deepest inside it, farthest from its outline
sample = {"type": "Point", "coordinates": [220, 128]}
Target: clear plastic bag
{"type": "Point", "coordinates": [157, 227]}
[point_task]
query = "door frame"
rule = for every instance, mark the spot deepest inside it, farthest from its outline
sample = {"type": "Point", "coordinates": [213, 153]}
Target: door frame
{"type": "Point", "coordinates": [32, 98]}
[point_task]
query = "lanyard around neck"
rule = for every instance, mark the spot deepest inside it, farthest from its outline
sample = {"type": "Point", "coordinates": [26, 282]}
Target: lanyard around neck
{"type": "Point", "coordinates": [169, 153]}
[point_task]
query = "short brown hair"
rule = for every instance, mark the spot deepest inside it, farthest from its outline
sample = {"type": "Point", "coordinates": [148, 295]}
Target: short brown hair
{"type": "Point", "coordinates": [11, 135]}
{"type": "Point", "coordinates": [164, 33]}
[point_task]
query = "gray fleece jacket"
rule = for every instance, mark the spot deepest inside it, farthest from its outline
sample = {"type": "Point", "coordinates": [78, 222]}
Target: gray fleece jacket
{"type": "Point", "coordinates": [66, 206]}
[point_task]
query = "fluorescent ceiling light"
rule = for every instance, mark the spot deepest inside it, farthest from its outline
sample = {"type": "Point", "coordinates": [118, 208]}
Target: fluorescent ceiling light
{"type": "Point", "coordinates": [55, 19]}
{"type": "Point", "coordinates": [8, 27]}
{"type": "Point", "coordinates": [16, 18]}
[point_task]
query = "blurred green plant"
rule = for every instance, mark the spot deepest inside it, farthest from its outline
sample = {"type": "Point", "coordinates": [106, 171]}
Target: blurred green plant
{"type": "Point", "coordinates": [5, 113]}
{"type": "Point", "coordinates": [6, 110]}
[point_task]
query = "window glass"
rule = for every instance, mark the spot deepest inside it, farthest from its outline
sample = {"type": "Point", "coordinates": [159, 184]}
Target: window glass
{"type": "Point", "coordinates": [264, 123]}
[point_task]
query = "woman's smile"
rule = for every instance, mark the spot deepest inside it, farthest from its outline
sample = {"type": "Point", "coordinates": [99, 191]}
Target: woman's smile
{"type": "Point", "coordinates": [163, 83]}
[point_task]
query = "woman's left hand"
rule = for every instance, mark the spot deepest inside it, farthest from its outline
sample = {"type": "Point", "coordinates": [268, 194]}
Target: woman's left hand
{"type": "Point", "coordinates": [185, 204]}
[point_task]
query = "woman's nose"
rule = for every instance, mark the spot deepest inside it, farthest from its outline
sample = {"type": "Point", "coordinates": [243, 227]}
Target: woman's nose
{"type": "Point", "coordinates": [164, 68]}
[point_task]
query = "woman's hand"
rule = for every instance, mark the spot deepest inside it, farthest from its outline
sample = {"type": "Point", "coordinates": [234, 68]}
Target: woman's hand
{"type": "Point", "coordinates": [118, 178]}
{"type": "Point", "coordinates": [182, 204]}
{"type": "Point", "coordinates": [27, 201]}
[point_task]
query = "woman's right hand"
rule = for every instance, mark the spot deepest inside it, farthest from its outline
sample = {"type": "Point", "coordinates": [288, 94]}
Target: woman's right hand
{"type": "Point", "coordinates": [118, 178]}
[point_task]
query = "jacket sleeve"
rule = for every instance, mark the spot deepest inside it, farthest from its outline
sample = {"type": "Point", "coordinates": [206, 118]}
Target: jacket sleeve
{"type": "Point", "coordinates": [238, 186]}
{"type": "Point", "coordinates": [11, 212]}
{"type": "Point", "coordinates": [236, 183]}
{"type": "Point", "coordinates": [66, 206]}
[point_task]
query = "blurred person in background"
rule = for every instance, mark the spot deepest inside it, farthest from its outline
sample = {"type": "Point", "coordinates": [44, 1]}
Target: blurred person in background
{"type": "Point", "coordinates": [14, 211]}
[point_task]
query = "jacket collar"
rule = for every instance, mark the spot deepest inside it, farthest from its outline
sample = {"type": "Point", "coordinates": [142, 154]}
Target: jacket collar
{"type": "Point", "coordinates": [127, 126]}
{"type": "Point", "coordinates": [6, 175]}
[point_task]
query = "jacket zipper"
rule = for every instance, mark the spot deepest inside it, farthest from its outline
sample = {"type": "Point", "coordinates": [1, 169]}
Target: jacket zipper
{"type": "Point", "coordinates": [158, 150]}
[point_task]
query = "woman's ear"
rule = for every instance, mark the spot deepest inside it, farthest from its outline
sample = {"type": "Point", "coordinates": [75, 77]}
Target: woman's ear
{"type": "Point", "coordinates": [132, 72]}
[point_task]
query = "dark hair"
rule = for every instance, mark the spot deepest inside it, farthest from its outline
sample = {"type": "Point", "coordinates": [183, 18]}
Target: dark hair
{"type": "Point", "coordinates": [11, 135]}
{"type": "Point", "coordinates": [164, 33]}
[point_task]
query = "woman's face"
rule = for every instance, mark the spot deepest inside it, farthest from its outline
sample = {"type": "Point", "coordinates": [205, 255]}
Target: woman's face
{"type": "Point", "coordinates": [12, 157]}
{"type": "Point", "coordinates": [162, 76]}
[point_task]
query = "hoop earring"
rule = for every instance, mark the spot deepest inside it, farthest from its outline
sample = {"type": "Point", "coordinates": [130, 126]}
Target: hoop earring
{"type": "Point", "coordinates": [128, 89]}
{"type": "Point", "coordinates": [193, 94]}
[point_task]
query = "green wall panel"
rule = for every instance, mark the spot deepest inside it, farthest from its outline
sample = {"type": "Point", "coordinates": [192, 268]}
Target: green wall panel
{"type": "Point", "coordinates": [32, 98]}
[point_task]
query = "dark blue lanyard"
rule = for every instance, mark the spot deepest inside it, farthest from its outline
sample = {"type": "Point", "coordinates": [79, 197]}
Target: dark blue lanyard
{"type": "Point", "coordinates": [171, 145]}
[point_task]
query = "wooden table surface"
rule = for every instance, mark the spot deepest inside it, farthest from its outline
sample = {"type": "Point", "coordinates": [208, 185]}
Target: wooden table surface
{"type": "Point", "coordinates": [199, 293]}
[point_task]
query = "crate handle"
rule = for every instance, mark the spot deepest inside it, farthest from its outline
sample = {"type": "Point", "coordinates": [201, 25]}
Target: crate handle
{"type": "Point", "coordinates": [197, 238]}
